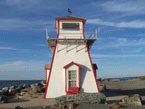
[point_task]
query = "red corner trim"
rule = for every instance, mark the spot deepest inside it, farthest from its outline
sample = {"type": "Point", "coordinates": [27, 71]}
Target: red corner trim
{"type": "Point", "coordinates": [93, 70]}
{"type": "Point", "coordinates": [66, 81]}
{"type": "Point", "coordinates": [79, 78]}
{"type": "Point", "coordinates": [83, 31]}
{"type": "Point", "coordinates": [71, 64]}
{"type": "Point", "coordinates": [91, 62]}
{"type": "Point", "coordinates": [58, 29]}
{"type": "Point", "coordinates": [47, 83]}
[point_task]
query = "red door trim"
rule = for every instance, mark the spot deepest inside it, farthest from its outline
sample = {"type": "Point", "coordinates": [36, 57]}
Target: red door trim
{"type": "Point", "coordinates": [76, 88]}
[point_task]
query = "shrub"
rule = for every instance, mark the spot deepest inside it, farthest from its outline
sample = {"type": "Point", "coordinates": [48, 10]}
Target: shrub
{"type": "Point", "coordinates": [142, 78]}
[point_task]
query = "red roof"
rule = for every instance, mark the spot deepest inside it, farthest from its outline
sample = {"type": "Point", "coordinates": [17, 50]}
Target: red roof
{"type": "Point", "coordinates": [72, 63]}
{"type": "Point", "coordinates": [71, 18]}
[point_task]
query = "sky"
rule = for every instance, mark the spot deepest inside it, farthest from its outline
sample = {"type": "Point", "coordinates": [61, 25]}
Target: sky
{"type": "Point", "coordinates": [119, 50]}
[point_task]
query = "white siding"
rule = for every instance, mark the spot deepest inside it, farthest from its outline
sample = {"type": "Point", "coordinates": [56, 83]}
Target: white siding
{"type": "Point", "coordinates": [56, 85]}
{"type": "Point", "coordinates": [65, 54]}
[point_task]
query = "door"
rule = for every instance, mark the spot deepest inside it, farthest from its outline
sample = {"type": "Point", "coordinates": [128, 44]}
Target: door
{"type": "Point", "coordinates": [72, 82]}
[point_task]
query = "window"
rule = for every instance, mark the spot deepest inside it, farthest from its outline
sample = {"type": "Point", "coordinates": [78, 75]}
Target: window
{"type": "Point", "coordinates": [70, 26]}
{"type": "Point", "coordinates": [72, 78]}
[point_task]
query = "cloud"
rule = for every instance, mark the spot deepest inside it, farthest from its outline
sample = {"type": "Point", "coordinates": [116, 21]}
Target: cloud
{"type": "Point", "coordinates": [133, 45]}
{"type": "Point", "coordinates": [12, 24]}
{"type": "Point", "coordinates": [8, 48]}
{"type": "Point", "coordinates": [116, 56]}
{"type": "Point", "coordinates": [122, 24]}
{"type": "Point", "coordinates": [22, 70]}
{"type": "Point", "coordinates": [21, 2]}
{"type": "Point", "coordinates": [22, 66]}
{"type": "Point", "coordinates": [123, 6]}
{"type": "Point", "coordinates": [141, 34]}
{"type": "Point", "coordinates": [37, 5]}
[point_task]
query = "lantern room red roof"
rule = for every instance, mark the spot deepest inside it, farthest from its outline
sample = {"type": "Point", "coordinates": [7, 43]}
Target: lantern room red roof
{"type": "Point", "coordinates": [72, 63]}
{"type": "Point", "coordinates": [70, 18]}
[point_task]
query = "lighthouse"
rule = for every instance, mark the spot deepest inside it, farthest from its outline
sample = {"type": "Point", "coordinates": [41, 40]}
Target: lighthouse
{"type": "Point", "coordinates": [71, 70]}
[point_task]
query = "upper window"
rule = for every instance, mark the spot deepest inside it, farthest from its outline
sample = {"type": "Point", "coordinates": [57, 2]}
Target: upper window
{"type": "Point", "coordinates": [70, 26]}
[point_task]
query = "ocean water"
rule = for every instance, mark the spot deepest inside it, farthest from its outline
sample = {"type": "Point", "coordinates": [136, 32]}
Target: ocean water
{"type": "Point", "coordinates": [121, 79]}
{"type": "Point", "coordinates": [9, 83]}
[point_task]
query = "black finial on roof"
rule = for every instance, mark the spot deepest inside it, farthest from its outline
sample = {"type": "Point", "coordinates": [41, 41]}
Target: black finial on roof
{"type": "Point", "coordinates": [69, 12]}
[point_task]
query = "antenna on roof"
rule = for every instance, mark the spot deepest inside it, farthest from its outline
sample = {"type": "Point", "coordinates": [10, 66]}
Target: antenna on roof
{"type": "Point", "coordinates": [69, 12]}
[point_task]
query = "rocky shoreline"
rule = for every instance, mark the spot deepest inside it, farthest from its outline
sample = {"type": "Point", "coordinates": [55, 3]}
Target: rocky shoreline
{"type": "Point", "coordinates": [115, 95]}
{"type": "Point", "coordinates": [21, 92]}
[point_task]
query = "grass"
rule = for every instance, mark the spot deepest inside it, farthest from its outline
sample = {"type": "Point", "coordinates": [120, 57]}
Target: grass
{"type": "Point", "coordinates": [142, 78]}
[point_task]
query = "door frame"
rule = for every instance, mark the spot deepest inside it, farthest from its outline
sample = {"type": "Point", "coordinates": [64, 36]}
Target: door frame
{"type": "Point", "coordinates": [72, 90]}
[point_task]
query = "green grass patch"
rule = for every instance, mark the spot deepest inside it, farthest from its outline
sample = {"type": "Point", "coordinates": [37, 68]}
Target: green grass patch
{"type": "Point", "coordinates": [142, 78]}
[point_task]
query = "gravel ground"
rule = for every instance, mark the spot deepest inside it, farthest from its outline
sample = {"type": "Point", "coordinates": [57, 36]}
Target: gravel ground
{"type": "Point", "coordinates": [115, 91]}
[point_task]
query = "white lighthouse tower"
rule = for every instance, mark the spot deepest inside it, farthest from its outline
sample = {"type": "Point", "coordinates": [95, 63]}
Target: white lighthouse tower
{"type": "Point", "coordinates": [71, 70]}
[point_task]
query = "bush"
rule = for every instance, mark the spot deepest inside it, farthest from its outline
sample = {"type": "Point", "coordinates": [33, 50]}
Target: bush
{"type": "Point", "coordinates": [142, 78]}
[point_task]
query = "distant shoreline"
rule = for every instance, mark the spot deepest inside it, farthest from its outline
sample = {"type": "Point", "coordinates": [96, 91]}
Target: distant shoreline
{"type": "Point", "coordinates": [132, 77]}
{"type": "Point", "coordinates": [23, 80]}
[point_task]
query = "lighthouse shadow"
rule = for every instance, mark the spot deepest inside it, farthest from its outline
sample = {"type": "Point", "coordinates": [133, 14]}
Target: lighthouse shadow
{"type": "Point", "coordinates": [83, 73]}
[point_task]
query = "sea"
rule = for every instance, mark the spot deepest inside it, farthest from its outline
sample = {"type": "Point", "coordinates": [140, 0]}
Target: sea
{"type": "Point", "coordinates": [9, 83]}
{"type": "Point", "coordinates": [121, 79]}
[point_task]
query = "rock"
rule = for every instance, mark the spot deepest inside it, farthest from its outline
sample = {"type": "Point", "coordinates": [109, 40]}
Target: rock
{"type": "Point", "coordinates": [26, 85]}
{"type": "Point", "coordinates": [19, 88]}
{"type": "Point", "coordinates": [13, 87]}
{"type": "Point", "coordinates": [92, 98]}
{"type": "Point", "coordinates": [1, 92]}
{"type": "Point", "coordinates": [114, 80]}
{"type": "Point", "coordinates": [12, 91]}
{"type": "Point", "coordinates": [43, 82]}
{"type": "Point", "coordinates": [35, 88]}
{"type": "Point", "coordinates": [102, 87]}
{"type": "Point", "coordinates": [132, 100]}
{"type": "Point", "coordinates": [25, 90]}
{"type": "Point", "coordinates": [5, 91]}
{"type": "Point", "coordinates": [18, 107]}
{"type": "Point", "coordinates": [3, 99]}
{"type": "Point", "coordinates": [115, 106]}
{"type": "Point", "coordinates": [46, 107]}
{"type": "Point", "coordinates": [100, 79]}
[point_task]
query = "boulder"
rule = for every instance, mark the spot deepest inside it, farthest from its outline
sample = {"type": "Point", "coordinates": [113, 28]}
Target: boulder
{"type": "Point", "coordinates": [12, 91]}
{"type": "Point", "coordinates": [26, 85]}
{"type": "Point", "coordinates": [1, 92]}
{"type": "Point", "coordinates": [3, 99]}
{"type": "Point", "coordinates": [19, 88]}
{"type": "Point", "coordinates": [102, 87]}
{"type": "Point", "coordinates": [18, 107]}
{"type": "Point", "coordinates": [12, 87]}
{"type": "Point", "coordinates": [92, 98]}
{"type": "Point", "coordinates": [43, 82]}
{"type": "Point", "coordinates": [5, 91]}
{"type": "Point", "coordinates": [132, 100]}
{"type": "Point", "coordinates": [35, 88]}
{"type": "Point", "coordinates": [25, 90]}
